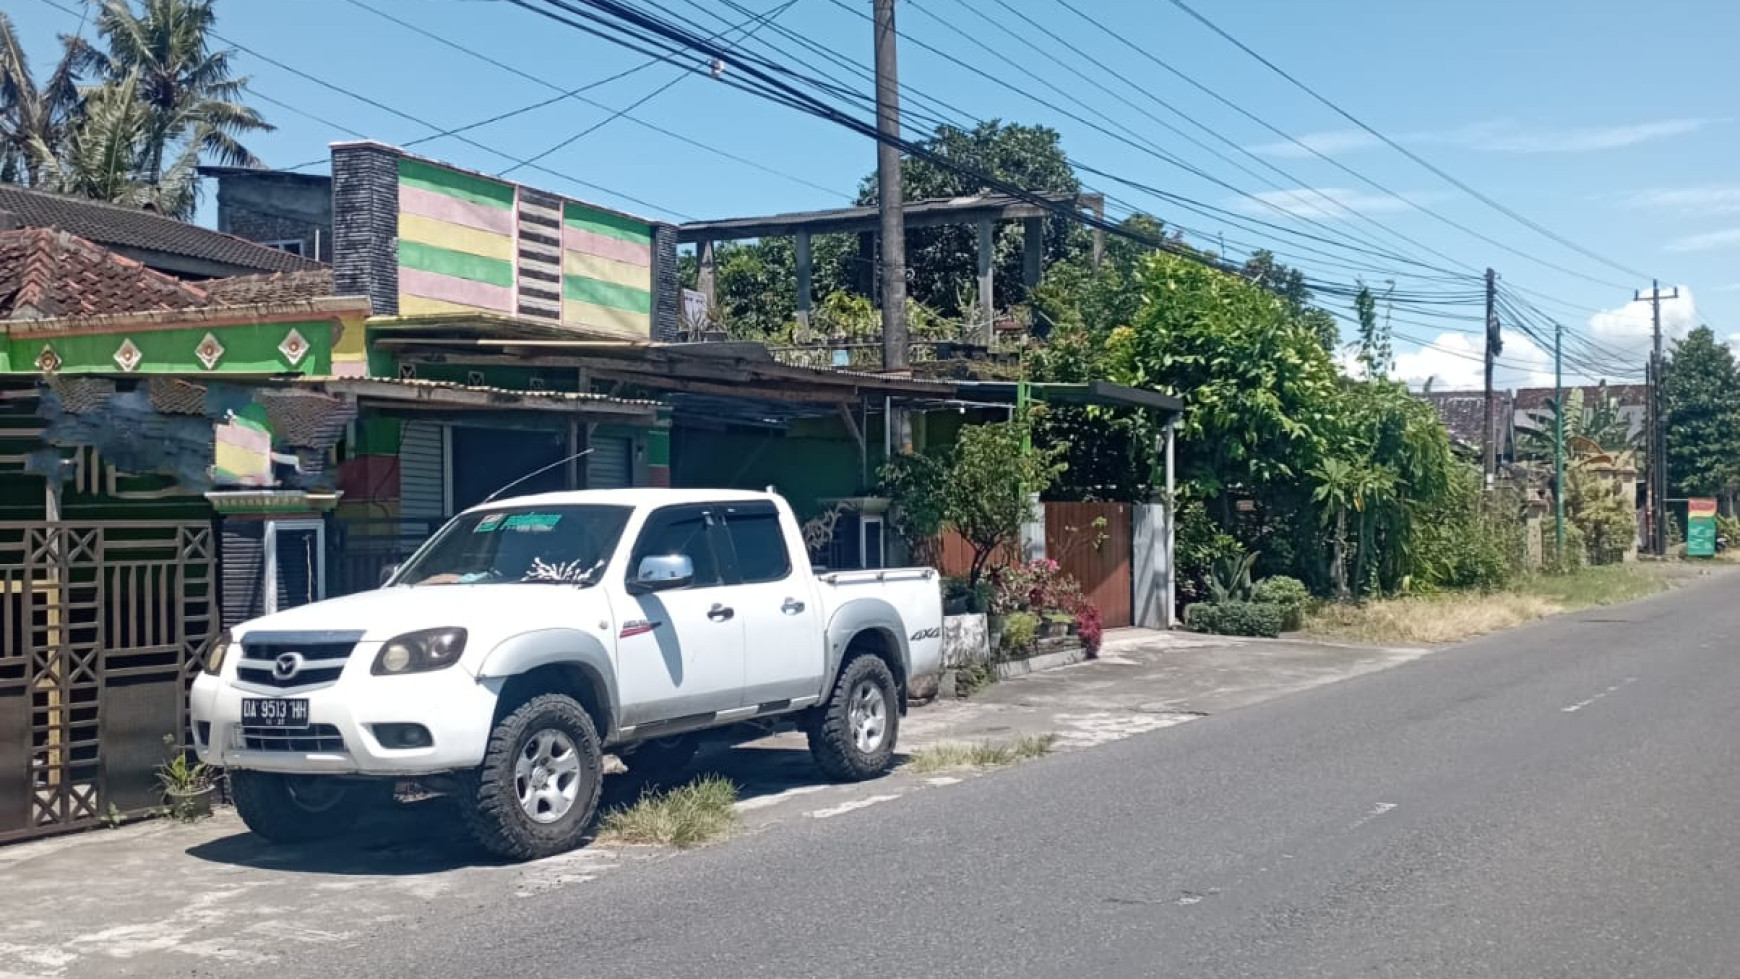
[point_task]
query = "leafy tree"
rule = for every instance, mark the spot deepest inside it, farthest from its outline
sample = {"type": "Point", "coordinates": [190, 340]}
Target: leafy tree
{"type": "Point", "coordinates": [942, 262]}
{"type": "Point", "coordinates": [33, 120]}
{"type": "Point", "coordinates": [189, 91]}
{"type": "Point", "coordinates": [1702, 391]}
{"type": "Point", "coordinates": [990, 487]}
{"type": "Point", "coordinates": [917, 486]}
{"type": "Point", "coordinates": [1262, 270]}
{"type": "Point", "coordinates": [1597, 506]}
{"type": "Point", "coordinates": [1376, 353]}
{"type": "Point", "coordinates": [1261, 388]}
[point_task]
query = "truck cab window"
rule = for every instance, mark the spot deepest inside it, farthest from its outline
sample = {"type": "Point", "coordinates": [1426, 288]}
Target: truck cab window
{"type": "Point", "coordinates": [759, 543]}
{"type": "Point", "coordinates": [680, 530]}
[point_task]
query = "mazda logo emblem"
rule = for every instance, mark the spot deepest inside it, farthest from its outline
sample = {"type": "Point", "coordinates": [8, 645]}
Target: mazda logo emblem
{"type": "Point", "coordinates": [287, 665]}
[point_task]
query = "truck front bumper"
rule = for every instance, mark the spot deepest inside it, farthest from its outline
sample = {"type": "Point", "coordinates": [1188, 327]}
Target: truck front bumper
{"type": "Point", "coordinates": [349, 723]}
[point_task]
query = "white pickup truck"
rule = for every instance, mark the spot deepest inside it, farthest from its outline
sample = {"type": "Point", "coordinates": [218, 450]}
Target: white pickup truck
{"type": "Point", "coordinates": [529, 635]}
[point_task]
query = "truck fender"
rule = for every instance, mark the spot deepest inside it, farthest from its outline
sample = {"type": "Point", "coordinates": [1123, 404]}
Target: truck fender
{"type": "Point", "coordinates": [546, 647]}
{"type": "Point", "coordinates": [858, 616]}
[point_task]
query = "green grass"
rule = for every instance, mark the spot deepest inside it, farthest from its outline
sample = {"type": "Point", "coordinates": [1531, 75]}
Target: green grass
{"type": "Point", "coordinates": [981, 754]}
{"type": "Point", "coordinates": [686, 816]}
{"type": "Point", "coordinates": [1453, 616]}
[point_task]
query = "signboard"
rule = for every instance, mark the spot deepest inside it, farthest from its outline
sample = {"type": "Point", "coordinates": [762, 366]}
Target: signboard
{"type": "Point", "coordinates": [1700, 528]}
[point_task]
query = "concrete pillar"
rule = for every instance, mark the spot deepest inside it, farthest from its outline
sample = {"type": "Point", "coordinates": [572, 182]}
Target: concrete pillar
{"type": "Point", "coordinates": [805, 275]}
{"type": "Point", "coordinates": [706, 276]}
{"type": "Point", "coordinates": [1149, 566]}
{"type": "Point", "coordinates": [1171, 542]}
{"type": "Point", "coordinates": [1032, 252]}
{"type": "Point", "coordinates": [987, 234]}
{"type": "Point", "coordinates": [1033, 532]}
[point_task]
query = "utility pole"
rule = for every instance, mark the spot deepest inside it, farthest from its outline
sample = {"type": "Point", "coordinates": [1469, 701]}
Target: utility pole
{"type": "Point", "coordinates": [1493, 345]}
{"type": "Point", "coordinates": [890, 208]}
{"type": "Point", "coordinates": [1559, 444]}
{"type": "Point", "coordinates": [1657, 425]}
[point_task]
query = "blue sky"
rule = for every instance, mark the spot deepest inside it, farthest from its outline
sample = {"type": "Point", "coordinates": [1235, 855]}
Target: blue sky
{"type": "Point", "coordinates": [1613, 124]}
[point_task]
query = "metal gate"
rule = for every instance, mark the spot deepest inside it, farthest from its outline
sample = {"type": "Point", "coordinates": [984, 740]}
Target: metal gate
{"type": "Point", "coordinates": [103, 625]}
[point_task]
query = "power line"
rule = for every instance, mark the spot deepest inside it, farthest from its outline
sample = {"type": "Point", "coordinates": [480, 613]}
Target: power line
{"type": "Point", "coordinates": [575, 93]}
{"type": "Point", "coordinates": [1439, 172]}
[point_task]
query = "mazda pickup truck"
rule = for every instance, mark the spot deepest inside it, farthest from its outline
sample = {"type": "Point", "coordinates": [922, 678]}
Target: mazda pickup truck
{"type": "Point", "coordinates": [529, 636]}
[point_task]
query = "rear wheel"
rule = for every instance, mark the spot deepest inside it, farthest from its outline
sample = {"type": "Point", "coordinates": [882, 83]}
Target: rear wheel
{"type": "Point", "coordinates": [303, 808]}
{"type": "Point", "coordinates": [537, 790]}
{"type": "Point", "coordinates": [852, 736]}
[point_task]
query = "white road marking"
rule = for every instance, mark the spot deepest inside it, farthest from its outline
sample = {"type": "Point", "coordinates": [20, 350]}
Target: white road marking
{"type": "Point", "coordinates": [1371, 814]}
{"type": "Point", "coordinates": [763, 801]}
{"type": "Point", "coordinates": [1104, 727]}
{"type": "Point", "coordinates": [1579, 705]}
{"type": "Point", "coordinates": [846, 807]}
{"type": "Point", "coordinates": [942, 780]}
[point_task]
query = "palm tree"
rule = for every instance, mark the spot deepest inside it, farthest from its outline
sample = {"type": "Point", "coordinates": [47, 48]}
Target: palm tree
{"type": "Point", "coordinates": [1357, 488]}
{"type": "Point", "coordinates": [33, 121]}
{"type": "Point", "coordinates": [107, 156]}
{"type": "Point", "coordinates": [187, 87]}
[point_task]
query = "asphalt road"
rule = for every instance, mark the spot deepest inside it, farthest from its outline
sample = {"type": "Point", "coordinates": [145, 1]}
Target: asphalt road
{"type": "Point", "coordinates": [1557, 801]}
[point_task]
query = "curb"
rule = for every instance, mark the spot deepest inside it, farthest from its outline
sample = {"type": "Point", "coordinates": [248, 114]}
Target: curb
{"type": "Point", "coordinates": [1040, 663]}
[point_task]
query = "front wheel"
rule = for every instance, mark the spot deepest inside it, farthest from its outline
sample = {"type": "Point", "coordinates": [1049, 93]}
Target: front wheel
{"type": "Point", "coordinates": [852, 737]}
{"type": "Point", "coordinates": [303, 808]}
{"type": "Point", "coordinates": [537, 790]}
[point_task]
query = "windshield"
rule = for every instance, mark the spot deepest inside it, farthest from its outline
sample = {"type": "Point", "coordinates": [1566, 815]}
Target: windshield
{"type": "Point", "coordinates": [545, 544]}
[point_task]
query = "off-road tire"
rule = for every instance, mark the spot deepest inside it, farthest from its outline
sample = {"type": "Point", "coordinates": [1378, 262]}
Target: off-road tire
{"type": "Point", "coordinates": [830, 729]}
{"type": "Point", "coordinates": [268, 804]}
{"type": "Point", "coordinates": [488, 798]}
{"type": "Point", "coordinates": [662, 756]}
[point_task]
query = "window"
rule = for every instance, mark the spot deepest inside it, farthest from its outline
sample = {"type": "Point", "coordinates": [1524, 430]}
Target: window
{"type": "Point", "coordinates": [758, 542]}
{"type": "Point", "coordinates": [291, 245]}
{"type": "Point", "coordinates": [684, 530]}
{"type": "Point", "coordinates": [557, 544]}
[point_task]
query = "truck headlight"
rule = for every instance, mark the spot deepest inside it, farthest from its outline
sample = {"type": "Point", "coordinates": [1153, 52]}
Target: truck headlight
{"type": "Point", "coordinates": [419, 652]}
{"type": "Point", "coordinates": [214, 661]}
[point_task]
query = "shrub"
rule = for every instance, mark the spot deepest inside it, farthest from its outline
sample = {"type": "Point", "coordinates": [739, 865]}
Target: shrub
{"type": "Point", "coordinates": [1036, 586]}
{"type": "Point", "coordinates": [1290, 594]}
{"type": "Point", "coordinates": [1236, 618]}
{"type": "Point", "coordinates": [961, 597]}
{"type": "Point", "coordinates": [1020, 631]}
{"type": "Point", "coordinates": [1090, 627]}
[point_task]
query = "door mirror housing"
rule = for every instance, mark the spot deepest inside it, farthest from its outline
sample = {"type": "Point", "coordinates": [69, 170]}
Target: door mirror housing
{"type": "Point", "coordinates": [662, 572]}
{"type": "Point", "coordinates": [387, 574]}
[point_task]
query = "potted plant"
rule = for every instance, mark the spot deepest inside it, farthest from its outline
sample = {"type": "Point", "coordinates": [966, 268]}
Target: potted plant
{"type": "Point", "coordinates": [187, 786]}
{"type": "Point", "coordinates": [1057, 625]}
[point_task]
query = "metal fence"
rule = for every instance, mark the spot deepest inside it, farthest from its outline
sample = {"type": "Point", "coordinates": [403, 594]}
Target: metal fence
{"type": "Point", "coordinates": [360, 551]}
{"type": "Point", "coordinates": [103, 626]}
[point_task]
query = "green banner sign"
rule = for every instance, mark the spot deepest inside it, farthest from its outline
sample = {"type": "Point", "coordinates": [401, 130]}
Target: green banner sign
{"type": "Point", "coordinates": [1700, 528]}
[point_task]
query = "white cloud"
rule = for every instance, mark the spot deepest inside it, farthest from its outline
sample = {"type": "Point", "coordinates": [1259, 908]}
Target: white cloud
{"type": "Point", "coordinates": [1510, 138]}
{"type": "Point", "coordinates": [1455, 362]}
{"type": "Point", "coordinates": [1706, 199]}
{"type": "Point", "coordinates": [1328, 142]}
{"type": "Point", "coordinates": [1323, 203]}
{"type": "Point", "coordinates": [1706, 242]}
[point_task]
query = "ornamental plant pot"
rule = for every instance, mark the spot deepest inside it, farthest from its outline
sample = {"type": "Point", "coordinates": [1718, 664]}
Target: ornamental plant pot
{"type": "Point", "coordinates": [189, 804]}
{"type": "Point", "coordinates": [1054, 630]}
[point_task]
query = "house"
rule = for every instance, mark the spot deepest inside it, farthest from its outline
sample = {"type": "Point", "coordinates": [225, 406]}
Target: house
{"type": "Point", "coordinates": [1533, 405]}
{"type": "Point", "coordinates": [280, 209]}
{"type": "Point", "coordinates": [196, 429]}
{"type": "Point", "coordinates": [160, 243]}
{"type": "Point", "coordinates": [1464, 415]}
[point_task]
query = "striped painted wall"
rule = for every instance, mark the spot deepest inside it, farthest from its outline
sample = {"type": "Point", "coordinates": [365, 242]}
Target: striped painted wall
{"type": "Point", "coordinates": [468, 242]}
{"type": "Point", "coordinates": [607, 267]}
{"type": "Point", "coordinates": [457, 241]}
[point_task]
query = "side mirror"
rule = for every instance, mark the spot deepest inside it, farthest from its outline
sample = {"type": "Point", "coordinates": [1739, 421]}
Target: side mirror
{"type": "Point", "coordinates": [662, 572]}
{"type": "Point", "coordinates": [387, 574]}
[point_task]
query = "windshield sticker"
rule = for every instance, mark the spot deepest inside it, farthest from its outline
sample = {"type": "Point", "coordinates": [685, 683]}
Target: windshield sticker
{"type": "Point", "coordinates": [574, 572]}
{"type": "Point", "coordinates": [536, 522]}
{"type": "Point", "coordinates": [488, 523]}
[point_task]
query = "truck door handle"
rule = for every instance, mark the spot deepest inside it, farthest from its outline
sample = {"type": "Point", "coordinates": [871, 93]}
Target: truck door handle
{"type": "Point", "coordinates": [792, 606]}
{"type": "Point", "coordinates": [719, 613]}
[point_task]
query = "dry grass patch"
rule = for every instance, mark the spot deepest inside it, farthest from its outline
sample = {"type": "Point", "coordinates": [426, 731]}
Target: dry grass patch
{"type": "Point", "coordinates": [686, 816]}
{"type": "Point", "coordinates": [1455, 616]}
{"type": "Point", "coordinates": [981, 754]}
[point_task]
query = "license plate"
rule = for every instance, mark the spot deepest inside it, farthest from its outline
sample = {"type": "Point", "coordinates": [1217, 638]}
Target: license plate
{"type": "Point", "coordinates": [275, 711]}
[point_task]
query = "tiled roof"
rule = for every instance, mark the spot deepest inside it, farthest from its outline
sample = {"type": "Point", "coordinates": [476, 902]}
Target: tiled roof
{"type": "Point", "coordinates": [122, 227]}
{"type": "Point", "coordinates": [272, 287]}
{"type": "Point", "coordinates": [45, 273]}
{"type": "Point", "coordinates": [48, 273]}
{"type": "Point", "coordinates": [1628, 395]}
{"type": "Point", "coordinates": [1464, 413]}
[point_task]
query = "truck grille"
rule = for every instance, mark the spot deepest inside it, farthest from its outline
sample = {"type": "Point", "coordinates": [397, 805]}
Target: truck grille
{"type": "Point", "coordinates": [319, 662]}
{"type": "Point", "coordinates": [314, 737]}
